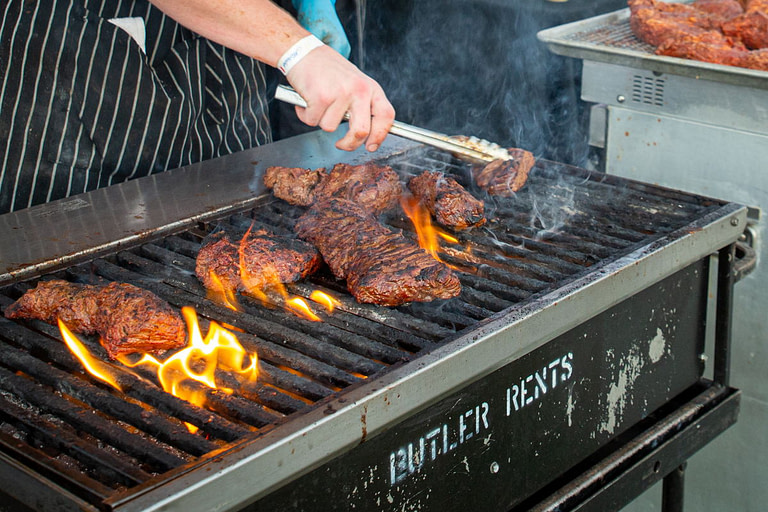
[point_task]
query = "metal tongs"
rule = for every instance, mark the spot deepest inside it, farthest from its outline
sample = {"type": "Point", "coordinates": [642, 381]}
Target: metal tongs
{"type": "Point", "coordinates": [471, 147]}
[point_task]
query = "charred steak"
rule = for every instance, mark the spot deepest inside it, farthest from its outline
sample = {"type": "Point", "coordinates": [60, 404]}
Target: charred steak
{"type": "Point", "coordinates": [127, 318]}
{"type": "Point", "coordinates": [255, 261]}
{"type": "Point", "coordinates": [505, 177]}
{"type": "Point", "coordinates": [294, 185]}
{"type": "Point", "coordinates": [375, 187]}
{"type": "Point", "coordinates": [380, 266]}
{"type": "Point", "coordinates": [449, 202]}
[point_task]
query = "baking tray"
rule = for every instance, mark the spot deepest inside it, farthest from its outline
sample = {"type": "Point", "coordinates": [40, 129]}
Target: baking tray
{"type": "Point", "coordinates": [608, 38]}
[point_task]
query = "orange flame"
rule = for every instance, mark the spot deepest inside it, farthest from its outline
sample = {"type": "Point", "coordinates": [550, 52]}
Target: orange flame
{"type": "Point", "coordinates": [198, 361]}
{"type": "Point", "coordinates": [448, 238]}
{"type": "Point", "coordinates": [300, 306]}
{"type": "Point", "coordinates": [94, 366]}
{"type": "Point", "coordinates": [326, 300]}
{"type": "Point", "coordinates": [219, 349]}
{"type": "Point", "coordinates": [222, 294]}
{"type": "Point", "coordinates": [427, 233]}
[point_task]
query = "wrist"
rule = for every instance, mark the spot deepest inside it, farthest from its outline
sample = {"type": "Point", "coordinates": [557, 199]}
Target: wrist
{"type": "Point", "coordinates": [297, 52]}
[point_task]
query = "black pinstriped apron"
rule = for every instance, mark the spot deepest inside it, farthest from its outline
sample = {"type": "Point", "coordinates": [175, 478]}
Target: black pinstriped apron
{"type": "Point", "coordinates": [82, 106]}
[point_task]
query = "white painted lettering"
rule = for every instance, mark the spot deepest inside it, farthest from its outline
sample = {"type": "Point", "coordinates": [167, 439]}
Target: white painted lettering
{"type": "Point", "coordinates": [533, 387]}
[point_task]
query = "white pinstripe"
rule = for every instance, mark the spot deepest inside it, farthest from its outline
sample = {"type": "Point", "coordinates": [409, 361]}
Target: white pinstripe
{"type": "Point", "coordinates": [29, 118]}
{"type": "Point", "coordinates": [6, 74]}
{"type": "Point", "coordinates": [179, 124]}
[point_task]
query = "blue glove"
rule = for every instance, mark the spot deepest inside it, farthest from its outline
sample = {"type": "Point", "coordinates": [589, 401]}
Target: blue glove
{"type": "Point", "coordinates": [320, 18]}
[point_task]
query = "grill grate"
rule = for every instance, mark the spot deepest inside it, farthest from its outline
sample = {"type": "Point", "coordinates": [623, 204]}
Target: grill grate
{"type": "Point", "coordinates": [95, 441]}
{"type": "Point", "coordinates": [614, 34]}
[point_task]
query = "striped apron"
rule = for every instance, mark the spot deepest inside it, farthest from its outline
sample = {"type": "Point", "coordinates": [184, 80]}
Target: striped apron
{"type": "Point", "coordinates": [83, 106]}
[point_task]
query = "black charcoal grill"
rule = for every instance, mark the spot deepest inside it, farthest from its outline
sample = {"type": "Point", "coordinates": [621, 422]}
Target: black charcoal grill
{"type": "Point", "coordinates": [573, 356]}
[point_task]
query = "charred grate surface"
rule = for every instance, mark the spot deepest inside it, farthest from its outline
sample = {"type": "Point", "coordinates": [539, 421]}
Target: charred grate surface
{"type": "Point", "coordinates": [97, 442]}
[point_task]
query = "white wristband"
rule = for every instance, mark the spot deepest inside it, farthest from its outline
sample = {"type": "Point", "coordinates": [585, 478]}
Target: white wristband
{"type": "Point", "coordinates": [297, 52]}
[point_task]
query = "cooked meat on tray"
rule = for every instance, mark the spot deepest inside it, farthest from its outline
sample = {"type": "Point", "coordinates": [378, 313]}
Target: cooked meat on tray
{"type": "Point", "coordinates": [449, 202]}
{"type": "Point", "coordinates": [376, 187]}
{"type": "Point", "coordinates": [751, 27]}
{"type": "Point", "coordinates": [505, 177]}
{"type": "Point", "coordinates": [714, 31]}
{"type": "Point", "coordinates": [254, 261]}
{"type": "Point", "coordinates": [381, 266]}
{"type": "Point", "coordinates": [710, 46]}
{"type": "Point", "coordinates": [127, 318]}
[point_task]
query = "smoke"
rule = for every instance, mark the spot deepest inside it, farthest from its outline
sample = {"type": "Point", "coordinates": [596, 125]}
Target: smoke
{"type": "Point", "coordinates": [477, 68]}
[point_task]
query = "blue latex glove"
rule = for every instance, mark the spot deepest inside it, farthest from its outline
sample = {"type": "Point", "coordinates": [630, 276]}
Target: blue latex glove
{"type": "Point", "coordinates": [320, 18]}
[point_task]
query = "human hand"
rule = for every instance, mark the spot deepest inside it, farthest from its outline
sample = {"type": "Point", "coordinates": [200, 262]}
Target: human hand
{"type": "Point", "coordinates": [321, 19]}
{"type": "Point", "coordinates": [332, 86]}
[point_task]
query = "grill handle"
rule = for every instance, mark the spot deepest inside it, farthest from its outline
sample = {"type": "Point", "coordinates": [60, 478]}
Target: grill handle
{"type": "Point", "coordinates": [479, 149]}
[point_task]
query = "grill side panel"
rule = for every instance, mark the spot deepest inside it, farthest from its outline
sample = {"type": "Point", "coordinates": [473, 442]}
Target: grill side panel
{"type": "Point", "coordinates": [529, 422]}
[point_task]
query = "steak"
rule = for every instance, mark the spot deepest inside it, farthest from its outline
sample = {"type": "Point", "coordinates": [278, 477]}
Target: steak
{"type": "Point", "coordinates": [505, 177]}
{"type": "Point", "coordinates": [381, 266]}
{"type": "Point", "coordinates": [449, 202]}
{"type": "Point", "coordinates": [127, 318]}
{"type": "Point", "coordinates": [376, 187]}
{"type": "Point", "coordinates": [255, 261]}
{"type": "Point", "coordinates": [294, 185]}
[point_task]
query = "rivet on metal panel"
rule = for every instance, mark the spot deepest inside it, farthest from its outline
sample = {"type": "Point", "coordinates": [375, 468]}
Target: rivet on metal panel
{"type": "Point", "coordinates": [735, 221]}
{"type": "Point", "coordinates": [620, 98]}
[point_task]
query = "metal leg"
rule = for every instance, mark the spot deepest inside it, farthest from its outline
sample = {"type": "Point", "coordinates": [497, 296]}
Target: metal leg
{"type": "Point", "coordinates": [724, 314]}
{"type": "Point", "coordinates": [673, 490]}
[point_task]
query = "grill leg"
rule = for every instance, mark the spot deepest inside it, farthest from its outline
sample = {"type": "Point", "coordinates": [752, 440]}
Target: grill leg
{"type": "Point", "coordinates": [724, 314]}
{"type": "Point", "coordinates": [673, 490]}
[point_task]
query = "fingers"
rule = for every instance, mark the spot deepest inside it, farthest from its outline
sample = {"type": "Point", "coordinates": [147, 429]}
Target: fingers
{"type": "Point", "coordinates": [333, 87]}
{"type": "Point", "coordinates": [382, 117]}
{"type": "Point", "coordinates": [369, 123]}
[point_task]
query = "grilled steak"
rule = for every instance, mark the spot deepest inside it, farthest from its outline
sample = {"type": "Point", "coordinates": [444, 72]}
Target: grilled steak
{"type": "Point", "coordinates": [127, 318]}
{"type": "Point", "coordinates": [380, 266]}
{"type": "Point", "coordinates": [266, 259]}
{"type": "Point", "coordinates": [131, 319]}
{"type": "Point", "coordinates": [375, 187]}
{"type": "Point", "coordinates": [505, 177]}
{"type": "Point", "coordinates": [294, 185]}
{"type": "Point", "coordinates": [449, 202]}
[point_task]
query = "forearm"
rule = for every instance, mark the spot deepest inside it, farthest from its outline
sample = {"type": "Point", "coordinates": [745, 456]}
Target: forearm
{"type": "Point", "coordinates": [257, 28]}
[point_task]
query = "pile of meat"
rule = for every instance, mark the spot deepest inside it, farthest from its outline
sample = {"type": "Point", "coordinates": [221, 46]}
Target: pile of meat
{"type": "Point", "coordinates": [381, 266]}
{"type": "Point", "coordinates": [377, 188]}
{"type": "Point", "coordinates": [725, 32]}
{"type": "Point", "coordinates": [127, 318]}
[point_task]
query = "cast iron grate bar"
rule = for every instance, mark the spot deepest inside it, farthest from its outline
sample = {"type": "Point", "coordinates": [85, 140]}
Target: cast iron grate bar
{"type": "Point", "coordinates": [21, 434]}
{"type": "Point", "coordinates": [44, 344]}
{"type": "Point", "coordinates": [109, 467]}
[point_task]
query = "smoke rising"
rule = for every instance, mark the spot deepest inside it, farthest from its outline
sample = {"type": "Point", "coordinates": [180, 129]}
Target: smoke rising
{"type": "Point", "coordinates": [476, 68]}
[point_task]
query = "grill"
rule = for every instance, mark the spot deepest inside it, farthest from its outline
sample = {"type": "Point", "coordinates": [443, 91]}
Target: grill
{"type": "Point", "coordinates": [383, 400]}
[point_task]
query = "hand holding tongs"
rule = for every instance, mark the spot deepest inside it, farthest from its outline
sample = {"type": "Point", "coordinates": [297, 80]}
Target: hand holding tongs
{"type": "Point", "coordinates": [468, 146]}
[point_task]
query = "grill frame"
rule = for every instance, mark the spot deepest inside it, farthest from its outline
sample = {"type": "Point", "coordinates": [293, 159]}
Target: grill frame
{"type": "Point", "coordinates": [225, 480]}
